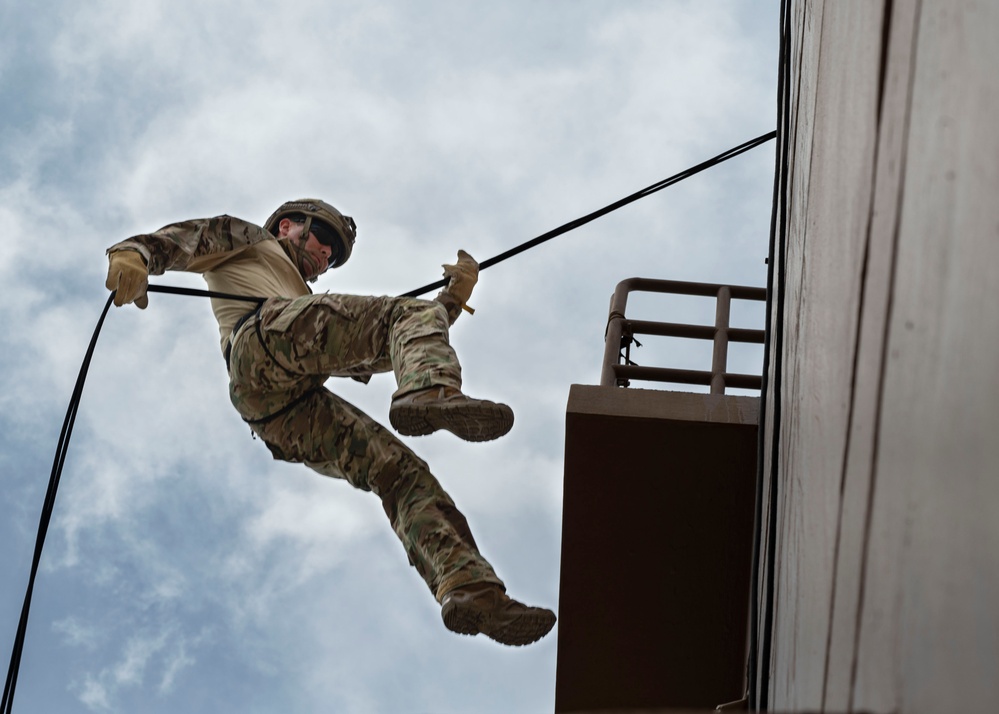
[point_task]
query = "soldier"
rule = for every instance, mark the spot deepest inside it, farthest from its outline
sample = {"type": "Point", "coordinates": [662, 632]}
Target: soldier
{"type": "Point", "coordinates": [280, 354]}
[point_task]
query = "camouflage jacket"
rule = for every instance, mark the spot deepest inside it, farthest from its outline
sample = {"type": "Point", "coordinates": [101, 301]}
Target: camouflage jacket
{"type": "Point", "coordinates": [197, 245]}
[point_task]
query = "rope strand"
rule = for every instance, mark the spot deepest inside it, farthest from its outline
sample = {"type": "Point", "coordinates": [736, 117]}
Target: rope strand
{"type": "Point", "coordinates": [572, 225]}
{"type": "Point", "coordinates": [46, 516]}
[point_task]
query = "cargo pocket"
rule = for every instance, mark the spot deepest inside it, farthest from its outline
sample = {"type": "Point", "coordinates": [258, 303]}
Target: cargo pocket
{"type": "Point", "coordinates": [279, 315]}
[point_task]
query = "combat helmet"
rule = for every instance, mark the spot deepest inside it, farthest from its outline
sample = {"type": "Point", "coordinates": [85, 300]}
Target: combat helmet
{"type": "Point", "coordinates": [313, 209]}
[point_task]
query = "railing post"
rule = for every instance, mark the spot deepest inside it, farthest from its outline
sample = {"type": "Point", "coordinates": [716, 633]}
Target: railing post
{"type": "Point", "coordinates": [612, 348]}
{"type": "Point", "coordinates": [614, 332]}
{"type": "Point", "coordinates": [719, 357]}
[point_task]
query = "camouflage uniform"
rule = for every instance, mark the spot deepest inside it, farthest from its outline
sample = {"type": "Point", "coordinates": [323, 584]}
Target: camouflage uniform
{"type": "Point", "coordinates": [280, 359]}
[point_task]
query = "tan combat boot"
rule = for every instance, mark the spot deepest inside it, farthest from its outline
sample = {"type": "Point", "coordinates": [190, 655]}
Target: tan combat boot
{"type": "Point", "coordinates": [428, 410]}
{"type": "Point", "coordinates": [485, 608]}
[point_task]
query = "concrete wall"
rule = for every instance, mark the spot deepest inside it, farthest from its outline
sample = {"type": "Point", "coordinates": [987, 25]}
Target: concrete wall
{"type": "Point", "coordinates": [887, 540]}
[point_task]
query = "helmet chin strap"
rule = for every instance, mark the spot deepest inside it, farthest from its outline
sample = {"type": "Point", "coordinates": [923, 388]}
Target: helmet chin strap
{"type": "Point", "coordinates": [303, 238]}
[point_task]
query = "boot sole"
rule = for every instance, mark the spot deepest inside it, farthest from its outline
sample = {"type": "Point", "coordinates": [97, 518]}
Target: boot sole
{"type": "Point", "coordinates": [523, 629]}
{"type": "Point", "coordinates": [476, 421]}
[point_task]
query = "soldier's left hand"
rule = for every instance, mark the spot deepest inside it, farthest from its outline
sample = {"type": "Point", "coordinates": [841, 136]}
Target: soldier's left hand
{"type": "Point", "coordinates": [462, 277]}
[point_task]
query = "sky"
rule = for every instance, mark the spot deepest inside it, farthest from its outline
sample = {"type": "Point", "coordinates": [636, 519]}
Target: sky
{"type": "Point", "coordinates": [185, 570]}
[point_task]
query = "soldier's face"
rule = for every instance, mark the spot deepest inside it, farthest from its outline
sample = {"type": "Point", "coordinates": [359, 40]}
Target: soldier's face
{"type": "Point", "coordinates": [313, 258]}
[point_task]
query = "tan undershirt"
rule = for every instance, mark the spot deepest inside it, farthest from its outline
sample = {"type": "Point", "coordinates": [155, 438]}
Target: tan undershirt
{"type": "Point", "coordinates": [261, 270]}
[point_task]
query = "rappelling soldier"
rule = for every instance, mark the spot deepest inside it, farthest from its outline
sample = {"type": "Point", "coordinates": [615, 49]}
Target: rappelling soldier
{"type": "Point", "coordinates": [280, 355]}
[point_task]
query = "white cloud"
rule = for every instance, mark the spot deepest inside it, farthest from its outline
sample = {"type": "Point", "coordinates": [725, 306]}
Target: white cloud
{"type": "Point", "coordinates": [94, 695]}
{"type": "Point", "coordinates": [160, 656]}
{"type": "Point", "coordinates": [178, 661]}
{"type": "Point", "coordinates": [77, 633]}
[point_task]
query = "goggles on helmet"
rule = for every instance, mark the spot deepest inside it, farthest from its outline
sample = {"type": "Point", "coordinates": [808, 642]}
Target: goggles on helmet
{"type": "Point", "coordinates": [325, 234]}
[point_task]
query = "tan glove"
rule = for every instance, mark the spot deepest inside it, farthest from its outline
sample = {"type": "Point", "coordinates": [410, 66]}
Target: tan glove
{"type": "Point", "coordinates": [462, 277]}
{"type": "Point", "coordinates": [128, 275]}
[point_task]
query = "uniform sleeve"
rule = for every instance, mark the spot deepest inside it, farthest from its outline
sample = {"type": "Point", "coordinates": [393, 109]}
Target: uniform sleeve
{"type": "Point", "coordinates": [196, 245]}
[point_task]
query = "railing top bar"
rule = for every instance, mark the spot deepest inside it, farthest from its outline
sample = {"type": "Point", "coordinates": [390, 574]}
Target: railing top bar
{"type": "Point", "coordinates": [680, 287]}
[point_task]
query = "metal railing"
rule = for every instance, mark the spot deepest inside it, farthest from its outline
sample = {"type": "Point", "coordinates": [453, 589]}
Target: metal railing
{"type": "Point", "coordinates": [621, 331]}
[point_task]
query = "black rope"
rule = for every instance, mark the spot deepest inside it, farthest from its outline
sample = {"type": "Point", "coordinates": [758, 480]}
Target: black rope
{"type": "Point", "coordinates": [761, 635]}
{"type": "Point", "coordinates": [46, 515]}
{"type": "Point", "coordinates": [196, 292]}
{"type": "Point", "coordinates": [74, 403]}
{"type": "Point", "coordinates": [572, 225]}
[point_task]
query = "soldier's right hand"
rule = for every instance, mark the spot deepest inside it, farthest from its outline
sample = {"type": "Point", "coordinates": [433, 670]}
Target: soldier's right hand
{"type": "Point", "coordinates": [129, 277]}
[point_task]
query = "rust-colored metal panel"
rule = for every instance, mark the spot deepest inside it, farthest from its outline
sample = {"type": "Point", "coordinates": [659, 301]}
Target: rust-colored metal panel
{"type": "Point", "coordinates": [656, 548]}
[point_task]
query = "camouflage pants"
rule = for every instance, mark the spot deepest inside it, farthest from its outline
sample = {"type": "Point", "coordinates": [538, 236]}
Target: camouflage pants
{"type": "Point", "coordinates": [278, 365]}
